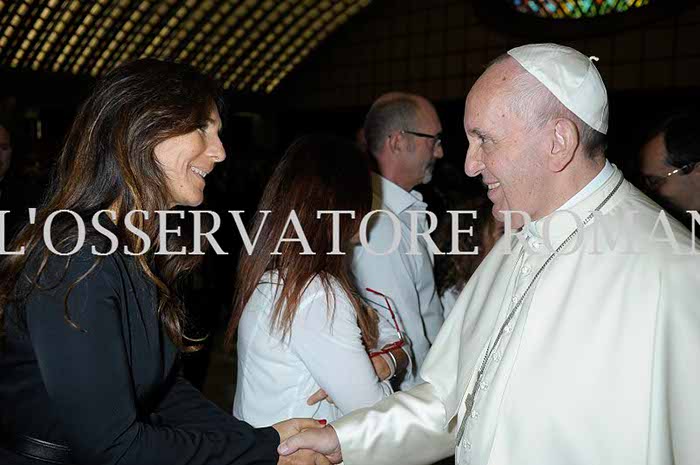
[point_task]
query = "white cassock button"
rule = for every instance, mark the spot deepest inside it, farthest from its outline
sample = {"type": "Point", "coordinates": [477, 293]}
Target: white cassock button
{"type": "Point", "coordinates": [475, 415]}
{"type": "Point", "coordinates": [497, 357]}
{"type": "Point", "coordinates": [508, 328]}
{"type": "Point", "coordinates": [514, 299]}
{"type": "Point", "coordinates": [483, 385]}
{"type": "Point", "coordinates": [536, 245]}
{"type": "Point", "coordinates": [467, 445]}
{"type": "Point", "coordinates": [525, 270]}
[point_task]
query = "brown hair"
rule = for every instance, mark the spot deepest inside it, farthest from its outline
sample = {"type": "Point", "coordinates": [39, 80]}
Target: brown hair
{"type": "Point", "coordinates": [318, 172]}
{"type": "Point", "coordinates": [455, 270]}
{"type": "Point", "coordinates": [108, 161]}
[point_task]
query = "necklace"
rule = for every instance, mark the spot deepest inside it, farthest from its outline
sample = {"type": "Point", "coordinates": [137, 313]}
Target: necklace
{"type": "Point", "coordinates": [469, 401]}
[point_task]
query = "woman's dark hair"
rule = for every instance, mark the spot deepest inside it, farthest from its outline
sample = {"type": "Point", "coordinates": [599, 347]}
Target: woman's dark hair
{"type": "Point", "coordinates": [108, 162]}
{"type": "Point", "coordinates": [318, 172]}
{"type": "Point", "coordinates": [451, 270]}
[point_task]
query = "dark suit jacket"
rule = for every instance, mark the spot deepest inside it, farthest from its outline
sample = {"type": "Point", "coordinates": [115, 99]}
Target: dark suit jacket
{"type": "Point", "coordinates": [110, 390]}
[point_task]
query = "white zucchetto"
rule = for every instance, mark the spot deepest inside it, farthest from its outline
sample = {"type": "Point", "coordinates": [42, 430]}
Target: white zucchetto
{"type": "Point", "coordinates": [571, 77]}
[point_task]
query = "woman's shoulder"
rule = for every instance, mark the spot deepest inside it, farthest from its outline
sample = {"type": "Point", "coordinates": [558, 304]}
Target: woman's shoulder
{"type": "Point", "coordinates": [318, 286]}
{"type": "Point", "coordinates": [326, 288]}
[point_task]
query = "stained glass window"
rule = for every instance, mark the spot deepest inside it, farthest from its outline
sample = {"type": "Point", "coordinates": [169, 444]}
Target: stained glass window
{"type": "Point", "coordinates": [573, 9]}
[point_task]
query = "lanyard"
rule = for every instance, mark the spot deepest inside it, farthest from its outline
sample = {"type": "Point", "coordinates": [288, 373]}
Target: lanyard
{"type": "Point", "coordinates": [469, 401]}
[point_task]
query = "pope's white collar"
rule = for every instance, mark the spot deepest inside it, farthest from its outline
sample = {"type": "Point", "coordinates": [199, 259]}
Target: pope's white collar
{"type": "Point", "coordinates": [532, 229]}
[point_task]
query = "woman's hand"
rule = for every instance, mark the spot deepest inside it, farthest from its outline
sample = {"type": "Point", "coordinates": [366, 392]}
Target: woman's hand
{"type": "Point", "coordinates": [381, 365]}
{"type": "Point", "coordinates": [318, 396]}
{"type": "Point", "coordinates": [289, 428]}
{"type": "Point", "coordinates": [382, 368]}
{"type": "Point", "coordinates": [294, 426]}
{"type": "Point", "coordinates": [323, 441]}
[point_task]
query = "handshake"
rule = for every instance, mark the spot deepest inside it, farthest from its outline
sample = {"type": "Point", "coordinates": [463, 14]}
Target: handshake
{"type": "Point", "coordinates": [304, 441]}
{"type": "Point", "coordinates": [307, 442]}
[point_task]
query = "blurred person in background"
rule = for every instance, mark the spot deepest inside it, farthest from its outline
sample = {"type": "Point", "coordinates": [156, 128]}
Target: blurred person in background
{"type": "Point", "coordinates": [6, 197]}
{"type": "Point", "coordinates": [452, 270]}
{"type": "Point", "coordinates": [5, 153]}
{"type": "Point", "coordinates": [303, 331]}
{"type": "Point", "coordinates": [24, 174]}
{"type": "Point", "coordinates": [670, 166]}
{"type": "Point", "coordinates": [403, 134]}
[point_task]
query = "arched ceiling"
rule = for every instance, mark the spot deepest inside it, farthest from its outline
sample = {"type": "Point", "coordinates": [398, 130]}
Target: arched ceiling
{"type": "Point", "coordinates": [249, 45]}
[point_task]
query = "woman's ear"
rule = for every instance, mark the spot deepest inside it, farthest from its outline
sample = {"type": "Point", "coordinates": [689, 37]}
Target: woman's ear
{"type": "Point", "coordinates": [564, 142]}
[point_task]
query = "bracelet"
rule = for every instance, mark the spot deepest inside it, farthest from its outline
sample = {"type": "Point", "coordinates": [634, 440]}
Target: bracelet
{"type": "Point", "coordinates": [392, 364]}
{"type": "Point", "coordinates": [396, 364]}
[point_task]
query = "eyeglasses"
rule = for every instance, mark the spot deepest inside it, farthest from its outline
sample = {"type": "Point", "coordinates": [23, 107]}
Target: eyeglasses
{"type": "Point", "coordinates": [437, 138]}
{"type": "Point", "coordinates": [652, 183]}
{"type": "Point", "coordinates": [400, 342]}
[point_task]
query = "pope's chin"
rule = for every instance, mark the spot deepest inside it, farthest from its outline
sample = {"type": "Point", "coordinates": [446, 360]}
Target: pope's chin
{"type": "Point", "coordinates": [497, 213]}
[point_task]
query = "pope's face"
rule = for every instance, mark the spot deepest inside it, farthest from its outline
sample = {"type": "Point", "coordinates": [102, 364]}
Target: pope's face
{"type": "Point", "coordinates": [503, 150]}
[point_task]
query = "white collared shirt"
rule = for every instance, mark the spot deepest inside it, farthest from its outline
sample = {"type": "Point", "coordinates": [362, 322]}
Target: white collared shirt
{"type": "Point", "coordinates": [407, 279]}
{"type": "Point", "coordinates": [324, 350]}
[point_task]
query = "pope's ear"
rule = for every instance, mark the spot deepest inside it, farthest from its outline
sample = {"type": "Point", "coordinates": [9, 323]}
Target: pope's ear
{"type": "Point", "coordinates": [564, 142]}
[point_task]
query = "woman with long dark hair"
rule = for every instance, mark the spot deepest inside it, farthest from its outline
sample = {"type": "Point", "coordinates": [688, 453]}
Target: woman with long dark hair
{"type": "Point", "coordinates": [90, 341]}
{"type": "Point", "coordinates": [304, 332]}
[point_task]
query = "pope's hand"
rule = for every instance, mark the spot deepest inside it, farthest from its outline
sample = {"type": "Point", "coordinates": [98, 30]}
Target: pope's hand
{"type": "Point", "coordinates": [324, 441]}
{"type": "Point", "coordinates": [291, 427]}
{"type": "Point", "coordinates": [303, 457]}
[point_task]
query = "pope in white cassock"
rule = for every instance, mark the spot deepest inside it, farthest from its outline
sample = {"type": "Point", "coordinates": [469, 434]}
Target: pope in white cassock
{"type": "Point", "coordinates": [570, 344]}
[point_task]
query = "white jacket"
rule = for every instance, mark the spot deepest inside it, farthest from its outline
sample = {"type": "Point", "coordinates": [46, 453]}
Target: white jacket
{"type": "Point", "coordinates": [600, 365]}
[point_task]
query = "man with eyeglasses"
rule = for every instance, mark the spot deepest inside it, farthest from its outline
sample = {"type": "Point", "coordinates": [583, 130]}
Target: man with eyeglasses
{"type": "Point", "coordinates": [5, 154]}
{"type": "Point", "coordinates": [670, 166]}
{"type": "Point", "coordinates": [403, 134]}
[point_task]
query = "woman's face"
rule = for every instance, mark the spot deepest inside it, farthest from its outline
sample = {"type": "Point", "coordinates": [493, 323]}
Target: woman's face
{"type": "Point", "coordinates": [188, 159]}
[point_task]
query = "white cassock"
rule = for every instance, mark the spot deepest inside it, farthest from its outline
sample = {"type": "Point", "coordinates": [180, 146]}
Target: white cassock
{"type": "Point", "coordinates": [599, 365]}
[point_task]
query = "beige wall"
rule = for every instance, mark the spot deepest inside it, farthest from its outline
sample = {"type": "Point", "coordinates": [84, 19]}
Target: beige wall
{"type": "Point", "coordinates": [437, 48]}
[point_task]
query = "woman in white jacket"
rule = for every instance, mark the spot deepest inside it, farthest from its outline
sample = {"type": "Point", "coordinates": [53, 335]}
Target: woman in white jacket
{"type": "Point", "coordinates": [304, 335]}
